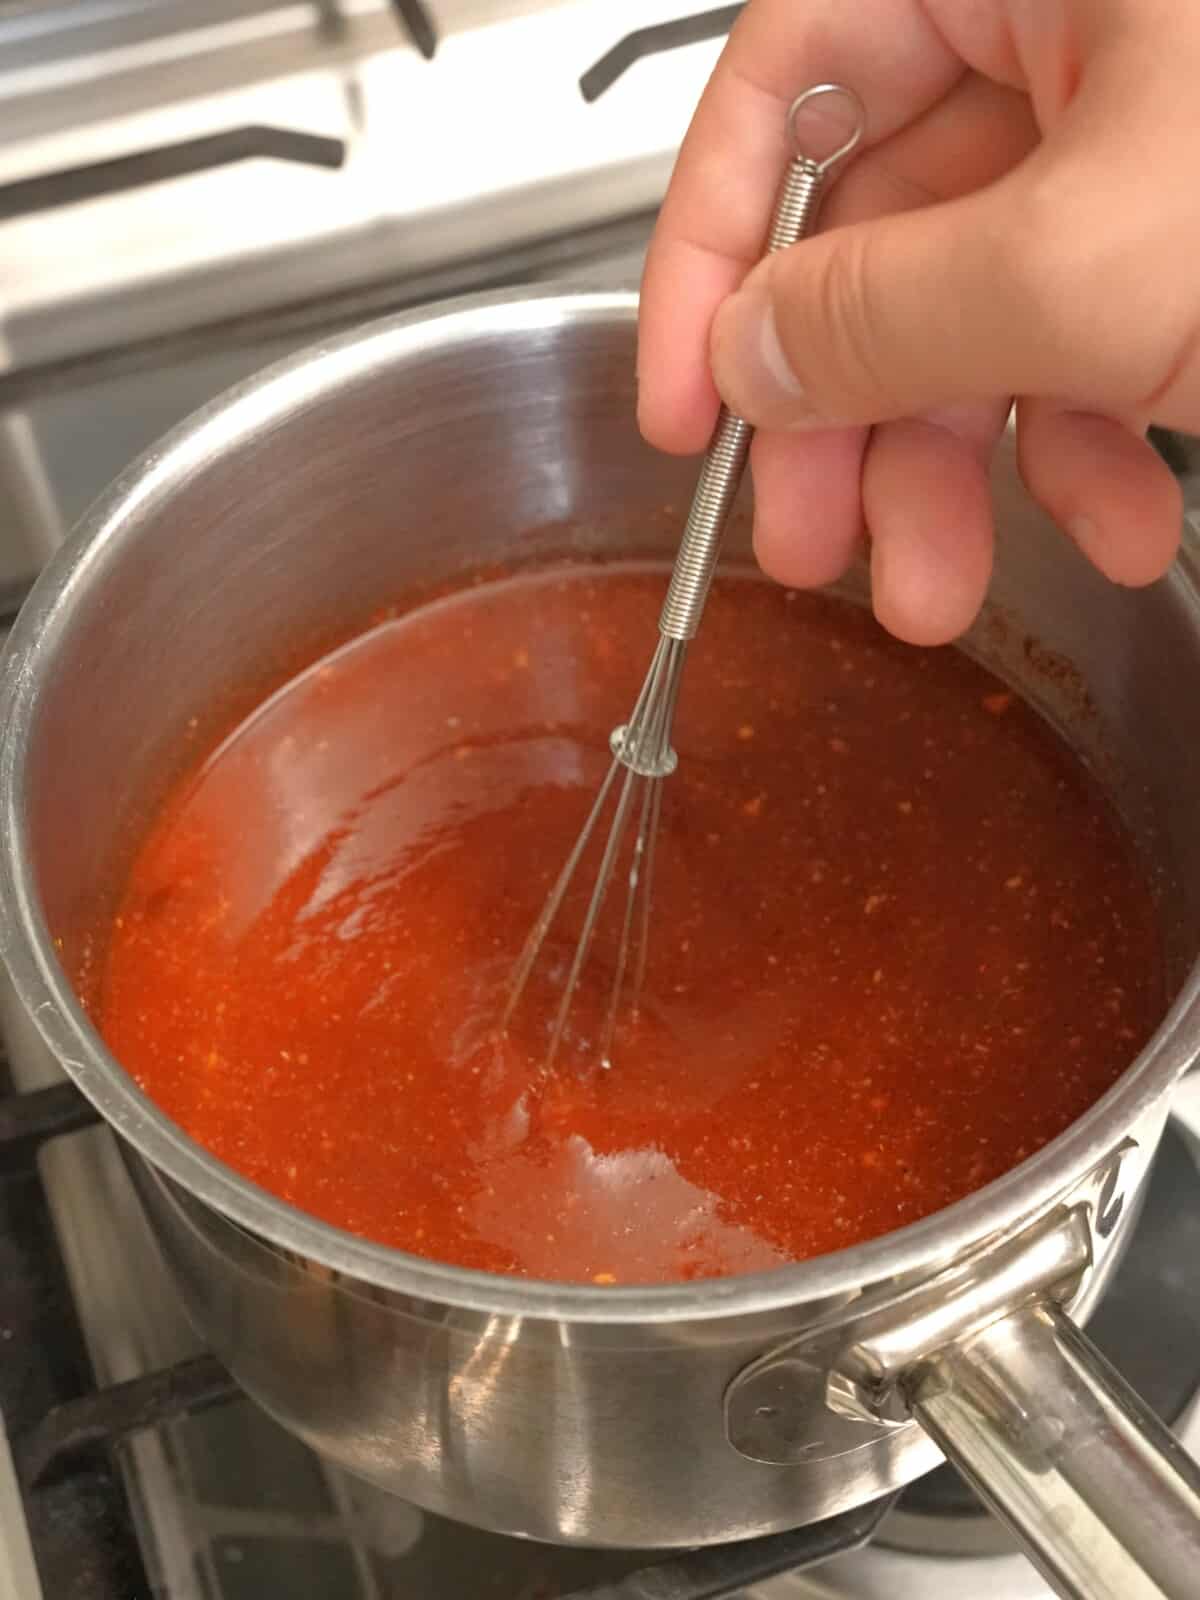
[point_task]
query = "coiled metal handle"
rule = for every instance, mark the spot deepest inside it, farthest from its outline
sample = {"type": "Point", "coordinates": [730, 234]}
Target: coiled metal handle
{"type": "Point", "coordinates": [725, 458]}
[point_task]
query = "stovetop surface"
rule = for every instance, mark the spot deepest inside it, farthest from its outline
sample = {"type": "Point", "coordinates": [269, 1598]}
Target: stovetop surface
{"type": "Point", "coordinates": [167, 165]}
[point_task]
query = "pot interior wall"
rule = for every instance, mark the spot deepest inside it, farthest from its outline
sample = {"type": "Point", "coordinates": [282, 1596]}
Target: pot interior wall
{"type": "Point", "coordinates": [286, 520]}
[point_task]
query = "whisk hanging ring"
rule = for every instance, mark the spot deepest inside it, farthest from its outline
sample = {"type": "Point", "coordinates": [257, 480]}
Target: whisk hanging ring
{"type": "Point", "coordinates": [854, 138]}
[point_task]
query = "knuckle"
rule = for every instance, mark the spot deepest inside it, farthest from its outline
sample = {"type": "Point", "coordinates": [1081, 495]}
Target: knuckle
{"type": "Point", "coordinates": [1038, 255]}
{"type": "Point", "coordinates": [1086, 283]}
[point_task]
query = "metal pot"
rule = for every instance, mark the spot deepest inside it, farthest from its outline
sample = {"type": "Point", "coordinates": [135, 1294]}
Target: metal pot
{"type": "Point", "coordinates": [634, 1417]}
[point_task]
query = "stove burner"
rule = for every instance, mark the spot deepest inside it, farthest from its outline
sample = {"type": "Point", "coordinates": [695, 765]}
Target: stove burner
{"type": "Point", "coordinates": [652, 42]}
{"type": "Point", "coordinates": [1148, 1325]}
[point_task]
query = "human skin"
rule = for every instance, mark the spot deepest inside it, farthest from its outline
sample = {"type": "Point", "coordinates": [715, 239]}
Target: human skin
{"type": "Point", "coordinates": [1022, 223]}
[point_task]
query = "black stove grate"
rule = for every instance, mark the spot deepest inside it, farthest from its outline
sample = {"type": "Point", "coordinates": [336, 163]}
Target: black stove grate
{"type": "Point", "coordinates": [416, 21]}
{"type": "Point", "coordinates": [654, 41]}
{"type": "Point", "coordinates": [75, 1429]}
{"type": "Point", "coordinates": [80, 1527]}
{"type": "Point", "coordinates": [726, 1570]}
{"type": "Point", "coordinates": [50, 190]}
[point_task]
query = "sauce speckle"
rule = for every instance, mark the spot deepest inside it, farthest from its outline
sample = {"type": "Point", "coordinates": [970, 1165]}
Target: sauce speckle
{"type": "Point", "coordinates": [899, 938]}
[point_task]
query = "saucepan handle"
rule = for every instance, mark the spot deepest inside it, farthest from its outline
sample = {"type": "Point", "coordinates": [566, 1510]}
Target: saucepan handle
{"type": "Point", "coordinates": [1104, 1500]}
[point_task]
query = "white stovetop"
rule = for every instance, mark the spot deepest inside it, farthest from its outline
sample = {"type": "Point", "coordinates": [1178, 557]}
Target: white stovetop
{"type": "Point", "coordinates": [489, 145]}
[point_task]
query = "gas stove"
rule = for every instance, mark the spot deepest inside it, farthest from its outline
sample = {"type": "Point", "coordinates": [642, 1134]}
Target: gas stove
{"type": "Point", "coordinates": [190, 189]}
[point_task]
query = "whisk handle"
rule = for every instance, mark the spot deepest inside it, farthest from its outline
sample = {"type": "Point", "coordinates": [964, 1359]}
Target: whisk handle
{"type": "Point", "coordinates": [725, 458]}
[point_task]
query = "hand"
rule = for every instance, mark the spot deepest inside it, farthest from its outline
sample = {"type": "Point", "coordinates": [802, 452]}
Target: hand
{"type": "Point", "coordinates": [1024, 220]}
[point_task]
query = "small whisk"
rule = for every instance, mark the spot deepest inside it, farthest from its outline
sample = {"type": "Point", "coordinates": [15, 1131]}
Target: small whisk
{"type": "Point", "coordinates": [641, 747]}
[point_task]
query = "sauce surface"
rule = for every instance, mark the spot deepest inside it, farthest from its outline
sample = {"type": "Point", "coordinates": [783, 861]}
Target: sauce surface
{"type": "Point", "coordinates": [899, 939]}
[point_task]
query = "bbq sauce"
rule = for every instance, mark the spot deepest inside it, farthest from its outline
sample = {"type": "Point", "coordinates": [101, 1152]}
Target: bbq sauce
{"type": "Point", "coordinates": [899, 937]}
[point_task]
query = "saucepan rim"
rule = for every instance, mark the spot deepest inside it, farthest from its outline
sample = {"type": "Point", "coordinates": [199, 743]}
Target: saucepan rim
{"type": "Point", "coordinates": [43, 631]}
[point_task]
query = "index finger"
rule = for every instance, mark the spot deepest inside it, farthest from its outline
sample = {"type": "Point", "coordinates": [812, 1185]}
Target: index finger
{"type": "Point", "coordinates": [715, 216]}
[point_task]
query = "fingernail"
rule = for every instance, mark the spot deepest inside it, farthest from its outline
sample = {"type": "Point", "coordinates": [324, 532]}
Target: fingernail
{"type": "Point", "coordinates": [751, 370]}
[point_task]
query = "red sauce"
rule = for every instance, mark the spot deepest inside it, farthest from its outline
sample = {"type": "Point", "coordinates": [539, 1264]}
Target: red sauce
{"type": "Point", "coordinates": [899, 938]}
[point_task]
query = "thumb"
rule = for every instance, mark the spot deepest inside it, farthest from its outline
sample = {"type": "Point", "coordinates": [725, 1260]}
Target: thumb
{"type": "Point", "coordinates": [919, 310]}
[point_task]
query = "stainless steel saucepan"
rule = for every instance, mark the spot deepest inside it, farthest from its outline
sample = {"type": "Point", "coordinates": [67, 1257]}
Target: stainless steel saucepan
{"type": "Point", "coordinates": [678, 1415]}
